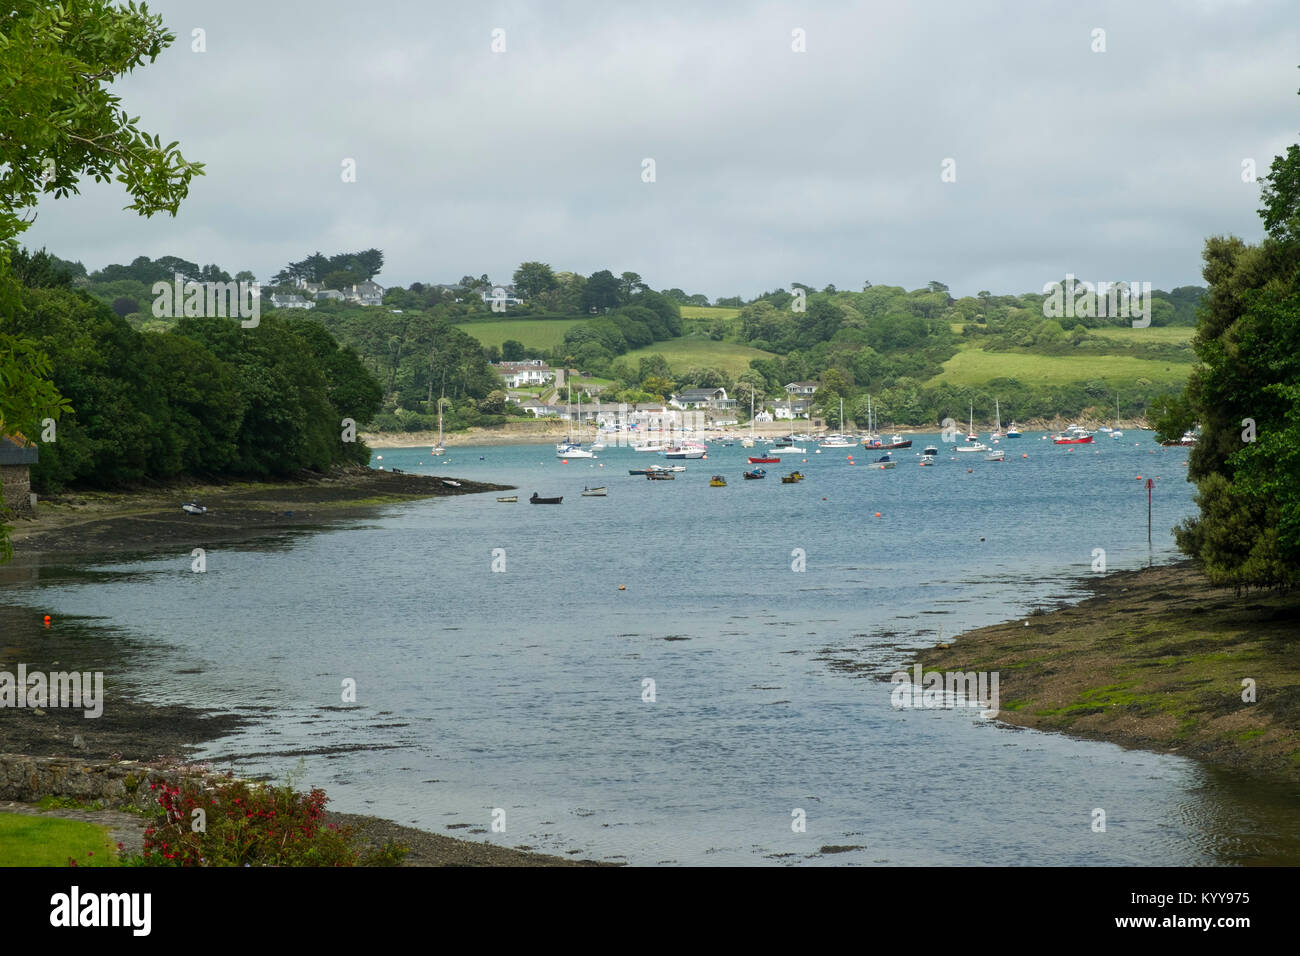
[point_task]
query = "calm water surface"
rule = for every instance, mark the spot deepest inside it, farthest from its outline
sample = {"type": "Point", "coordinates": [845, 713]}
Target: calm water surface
{"type": "Point", "coordinates": [523, 690]}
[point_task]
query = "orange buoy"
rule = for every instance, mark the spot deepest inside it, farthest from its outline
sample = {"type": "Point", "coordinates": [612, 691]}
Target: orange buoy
{"type": "Point", "coordinates": [47, 620]}
{"type": "Point", "coordinates": [564, 461]}
{"type": "Point", "coordinates": [1139, 477]}
{"type": "Point", "coordinates": [1024, 456]}
{"type": "Point", "coordinates": [877, 514]}
{"type": "Point", "coordinates": [622, 587]}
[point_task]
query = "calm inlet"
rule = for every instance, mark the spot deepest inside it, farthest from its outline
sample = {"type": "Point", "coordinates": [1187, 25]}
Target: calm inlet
{"type": "Point", "coordinates": [528, 689]}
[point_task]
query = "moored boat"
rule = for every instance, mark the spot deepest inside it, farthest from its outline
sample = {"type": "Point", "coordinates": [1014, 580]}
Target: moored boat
{"type": "Point", "coordinates": [508, 499]}
{"type": "Point", "coordinates": [755, 474]}
{"type": "Point", "coordinates": [538, 500]}
{"type": "Point", "coordinates": [660, 476]}
{"type": "Point", "coordinates": [717, 481]}
{"type": "Point", "coordinates": [594, 492]}
{"type": "Point", "coordinates": [753, 460]}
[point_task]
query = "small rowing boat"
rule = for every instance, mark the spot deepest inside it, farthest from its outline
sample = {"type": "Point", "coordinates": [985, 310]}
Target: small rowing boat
{"type": "Point", "coordinates": [594, 492]}
{"type": "Point", "coordinates": [509, 499]}
{"type": "Point", "coordinates": [535, 499]}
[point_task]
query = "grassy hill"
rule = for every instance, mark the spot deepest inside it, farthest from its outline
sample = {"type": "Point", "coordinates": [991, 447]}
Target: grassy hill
{"type": "Point", "coordinates": [533, 333]}
{"type": "Point", "coordinates": [684, 353]}
{"type": "Point", "coordinates": [975, 367]}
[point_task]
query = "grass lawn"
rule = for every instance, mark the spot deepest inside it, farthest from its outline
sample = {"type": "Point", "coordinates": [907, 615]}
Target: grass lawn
{"type": "Point", "coordinates": [709, 312]}
{"type": "Point", "coordinates": [49, 841]}
{"type": "Point", "coordinates": [533, 333]}
{"type": "Point", "coordinates": [730, 357]}
{"type": "Point", "coordinates": [975, 367]}
{"type": "Point", "coordinates": [1161, 333]}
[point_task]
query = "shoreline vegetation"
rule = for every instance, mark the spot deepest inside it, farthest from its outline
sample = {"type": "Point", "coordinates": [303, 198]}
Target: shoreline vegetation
{"type": "Point", "coordinates": [1155, 659]}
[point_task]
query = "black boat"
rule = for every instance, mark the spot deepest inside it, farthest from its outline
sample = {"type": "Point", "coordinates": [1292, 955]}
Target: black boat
{"type": "Point", "coordinates": [545, 501]}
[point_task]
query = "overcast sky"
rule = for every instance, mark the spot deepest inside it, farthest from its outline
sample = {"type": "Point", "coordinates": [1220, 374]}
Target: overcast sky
{"type": "Point", "coordinates": [771, 165]}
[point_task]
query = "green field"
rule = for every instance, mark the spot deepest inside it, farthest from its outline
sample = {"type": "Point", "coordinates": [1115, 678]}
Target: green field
{"type": "Point", "coordinates": [49, 841]}
{"type": "Point", "coordinates": [1156, 333]}
{"type": "Point", "coordinates": [682, 354]}
{"type": "Point", "coordinates": [533, 333]}
{"type": "Point", "coordinates": [975, 367]}
{"type": "Point", "coordinates": [709, 312]}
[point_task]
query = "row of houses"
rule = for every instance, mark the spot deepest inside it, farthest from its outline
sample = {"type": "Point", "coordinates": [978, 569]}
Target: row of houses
{"type": "Point", "coordinates": [361, 293]}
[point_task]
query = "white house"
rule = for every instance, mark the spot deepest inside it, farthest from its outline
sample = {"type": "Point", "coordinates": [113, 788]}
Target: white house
{"type": "Point", "coordinates": [290, 302]}
{"type": "Point", "coordinates": [523, 374]}
{"type": "Point", "coordinates": [801, 389]}
{"type": "Point", "coordinates": [504, 294]}
{"type": "Point", "coordinates": [365, 293]}
{"type": "Point", "coordinates": [701, 398]}
{"type": "Point", "coordinates": [795, 408]}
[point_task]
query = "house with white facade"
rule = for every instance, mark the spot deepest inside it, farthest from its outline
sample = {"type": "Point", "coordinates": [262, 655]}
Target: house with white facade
{"type": "Point", "coordinates": [365, 293]}
{"type": "Point", "coordinates": [801, 389]}
{"type": "Point", "coordinates": [524, 374]}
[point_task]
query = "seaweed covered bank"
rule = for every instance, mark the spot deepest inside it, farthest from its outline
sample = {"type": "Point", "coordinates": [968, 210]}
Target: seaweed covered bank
{"type": "Point", "coordinates": [1156, 659]}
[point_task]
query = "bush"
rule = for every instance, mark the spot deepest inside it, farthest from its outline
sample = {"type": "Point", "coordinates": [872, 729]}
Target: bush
{"type": "Point", "coordinates": [250, 824]}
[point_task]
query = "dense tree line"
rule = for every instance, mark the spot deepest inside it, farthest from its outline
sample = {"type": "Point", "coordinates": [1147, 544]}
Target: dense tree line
{"type": "Point", "coordinates": [1245, 395]}
{"type": "Point", "coordinates": [207, 398]}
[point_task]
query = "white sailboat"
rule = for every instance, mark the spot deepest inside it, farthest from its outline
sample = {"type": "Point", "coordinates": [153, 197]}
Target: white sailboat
{"type": "Point", "coordinates": [997, 429]}
{"type": "Point", "coordinates": [1115, 432]}
{"type": "Point", "coordinates": [973, 442]}
{"type": "Point", "coordinates": [839, 440]}
{"type": "Point", "coordinates": [438, 449]}
{"type": "Point", "coordinates": [569, 448]}
{"type": "Point", "coordinates": [749, 442]}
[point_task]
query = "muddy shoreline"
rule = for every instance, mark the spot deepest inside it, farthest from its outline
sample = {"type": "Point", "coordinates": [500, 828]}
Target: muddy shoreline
{"type": "Point", "coordinates": [1155, 659]}
{"type": "Point", "coordinates": [78, 525]}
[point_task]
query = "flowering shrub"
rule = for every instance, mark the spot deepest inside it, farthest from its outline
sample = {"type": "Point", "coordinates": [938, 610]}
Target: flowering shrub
{"type": "Point", "coordinates": [250, 824]}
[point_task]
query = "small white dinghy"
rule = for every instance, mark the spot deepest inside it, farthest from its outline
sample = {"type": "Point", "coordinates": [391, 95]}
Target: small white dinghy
{"type": "Point", "coordinates": [193, 508]}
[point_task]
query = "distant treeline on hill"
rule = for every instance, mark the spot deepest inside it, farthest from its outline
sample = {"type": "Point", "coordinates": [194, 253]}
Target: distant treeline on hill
{"type": "Point", "coordinates": [884, 341]}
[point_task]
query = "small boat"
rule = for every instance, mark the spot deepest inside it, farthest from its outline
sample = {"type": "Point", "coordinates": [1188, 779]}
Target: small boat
{"type": "Point", "coordinates": [897, 441]}
{"type": "Point", "coordinates": [998, 455]}
{"type": "Point", "coordinates": [450, 484]}
{"type": "Point", "coordinates": [594, 492]}
{"type": "Point", "coordinates": [509, 499]}
{"type": "Point", "coordinates": [660, 475]}
{"type": "Point", "coordinates": [930, 455]}
{"type": "Point", "coordinates": [764, 461]}
{"type": "Point", "coordinates": [1013, 431]}
{"type": "Point", "coordinates": [785, 445]}
{"type": "Point", "coordinates": [977, 446]}
{"type": "Point", "coordinates": [789, 479]}
{"type": "Point", "coordinates": [747, 443]}
{"type": "Point", "coordinates": [564, 450]}
{"type": "Point", "coordinates": [717, 481]}
{"type": "Point", "coordinates": [535, 499]}
{"type": "Point", "coordinates": [837, 441]}
{"type": "Point", "coordinates": [193, 508]}
{"type": "Point", "coordinates": [1188, 439]}
{"type": "Point", "coordinates": [927, 459]}
{"type": "Point", "coordinates": [685, 452]}
{"type": "Point", "coordinates": [756, 473]}
{"type": "Point", "coordinates": [1073, 435]}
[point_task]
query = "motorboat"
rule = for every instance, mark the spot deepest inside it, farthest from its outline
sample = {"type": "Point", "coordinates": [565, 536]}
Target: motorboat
{"type": "Point", "coordinates": [594, 492]}
{"type": "Point", "coordinates": [538, 500]}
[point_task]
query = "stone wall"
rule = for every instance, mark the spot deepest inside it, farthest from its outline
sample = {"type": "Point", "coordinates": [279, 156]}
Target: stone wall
{"type": "Point", "coordinates": [16, 485]}
{"type": "Point", "coordinates": [119, 783]}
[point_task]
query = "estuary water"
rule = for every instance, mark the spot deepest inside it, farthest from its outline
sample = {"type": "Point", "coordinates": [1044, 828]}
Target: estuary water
{"type": "Point", "coordinates": [646, 677]}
